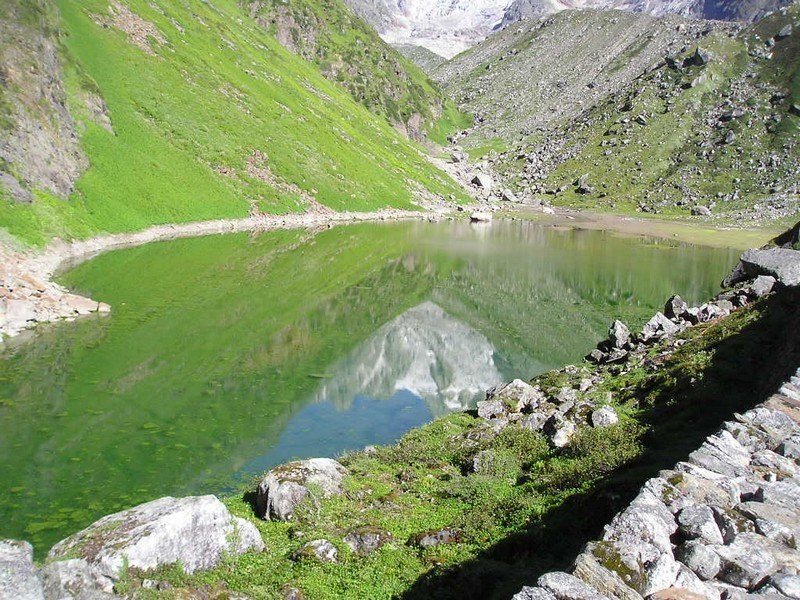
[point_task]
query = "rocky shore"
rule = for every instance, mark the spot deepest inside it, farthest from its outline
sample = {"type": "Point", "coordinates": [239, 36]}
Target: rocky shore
{"type": "Point", "coordinates": [29, 296]}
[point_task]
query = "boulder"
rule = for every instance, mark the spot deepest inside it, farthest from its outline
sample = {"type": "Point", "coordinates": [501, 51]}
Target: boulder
{"type": "Point", "coordinates": [427, 539]}
{"type": "Point", "coordinates": [321, 550]}
{"type": "Point", "coordinates": [459, 156]}
{"type": "Point", "coordinates": [643, 567]}
{"type": "Point", "coordinates": [788, 585]}
{"type": "Point", "coordinates": [589, 570]}
{"type": "Point", "coordinates": [722, 454]}
{"type": "Point", "coordinates": [641, 523]}
{"type": "Point", "coordinates": [568, 587]}
{"type": "Point", "coordinates": [785, 32]}
{"type": "Point", "coordinates": [604, 417]}
{"type": "Point", "coordinates": [744, 565]}
{"type": "Point", "coordinates": [582, 185]}
{"type": "Point", "coordinates": [781, 263]}
{"type": "Point", "coordinates": [496, 408]}
{"type": "Point", "coordinates": [283, 488]}
{"type": "Point", "coordinates": [533, 593]}
{"type": "Point", "coordinates": [18, 578]}
{"type": "Point", "coordinates": [698, 523]}
{"type": "Point", "coordinates": [701, 211]}
{"type": "Point", "coordinates": [700, 558]}
{"type": "Point", "coordinates": [76, 578]}
{"type": "Point", "coordinates": [518, 395]}
{"type": "Point", "coordinates": [658, 327]}
{"type": "Point", "coordinates": [675, 308]}
{"type": "Point", "coordinates": [480, 217]}
{"type": "Point", "coordinates": [483, 181]}
{"type": "Point", "coordinates": [775, 522]}
{"type": "Point", "coordinates": [619, 335]}
{"type": "Point", "coordinates": [196, 531]}
{"type": "Point", "coordinates": [559, 430]}
{"type": "Point", "coordinates": [366, 540]}
{"type": "Point", "coordinates": [782, 493]}
{"type": "Point", "coordinates": [508, 196]}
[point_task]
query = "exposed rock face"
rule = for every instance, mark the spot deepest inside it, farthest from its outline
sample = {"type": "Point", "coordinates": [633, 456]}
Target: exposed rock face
{"type": "Point", "coordinates": [195, 531]}
{"type": "Point", "coordinates": [18, 577]}
{"type": "Point", "coordinates": [723, 525]}
{"type": "Point", "coordinates": [38, 140]}
{"type": "Point", "coordinates": [781, 263]}
{"type": "Point", "coordinates": [283, 488]}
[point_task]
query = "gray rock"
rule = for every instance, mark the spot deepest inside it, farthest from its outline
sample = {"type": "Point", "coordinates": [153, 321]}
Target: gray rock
{"type": "Point", "coordinates": [775, 424]}
{"type": "Point", "coordinates": [427, 539]}
{"type": "Point", "coordinates": [283, 488]}
{"type": "Point", "coordinates": [195, 531]}
{"type": "Point", "coordinates": [698, 523]}
{"type": "Point", "coordinates": [583, 186]}
{"type": "Point", "coordinates": [568, 587]}
{"type": "Point", "coordinates": [533, 593]}
{"type": "Point", "coordinates": [559, 429]}
{"type": "Point", "coordinates": [77, 579]}
{"type": "Point", "coordinates": [788, 585]}
{"type": "Point", "coordinates": [604, 417]}
{"type": "Point", "coordinates": [480, 217]}
{"type": "Point", "coordinates": [366, 540]}
{"type": "Point", "coordinates": [781, 263]}
{"type": "Point", "coordinates": [459, 156]}
{"type": "Point", "coordinates": [18, 578]}
{"type": "Point", "coordinates": [642, 566]}
{"type": "Point", "coordinates": [484, 181]}
{"type": "Point", "coordinates": [701, 211]}
{"type": "Point", "coordinates": [657, 327]}
{"type": "Point", "coordinates": [722, 454]}
{"type": "Point", "coordinates": [493, 409]}
{"type": "Point", "coordinates": [619, 335]}
{"type": "Point", "coordinates": [508, 196]}
{"type": "Point", "coordinates": [701, 559]}
{"type": "Point", "coordinates": [689, 586]}
{"type": "Point", "coordinates": [518, 395]}
{"type": "Point", "coordinates": [700, 57]}
{"type": "Point", "coordinates": [321, 550]}
{"type": "Point", "coordinates": [731, 523]}
{"type": "Point", "coordinates": [783, 493]}
{"type": "Point", "coordinates": [675, 308]}
{"type": "Point", "coordinates": [763, 285]}
{"type": "Point", "coordinates": [701, 490]}
{"type": "Point", "coordinates": [640, 523]}
{"type": "Point", "coordinates": [745, 565]}
{"type": "Point", "coordinates": [790, 448]}
{"type": "Point", "coordinates": [771, 464]}
{"type": "Point", "coordinates": [785, 32]}
{"type": "Point", "coordinates": [589, 570]}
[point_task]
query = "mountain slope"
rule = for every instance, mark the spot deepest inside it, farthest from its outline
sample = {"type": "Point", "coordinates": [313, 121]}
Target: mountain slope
{"type": "Point", "coordinates": [350, 53]}
{"type": "Point", "coordinates": [716, 127]}
{"type": "Point", "coordinates": [448, 27]}
{"type": "Point", "coordinates": [187, 113]}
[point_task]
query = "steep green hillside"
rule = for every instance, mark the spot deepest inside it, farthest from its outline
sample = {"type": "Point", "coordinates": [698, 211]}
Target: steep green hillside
{"type": "Point", "coordinates": [350, 52]}
{"type": "Point", "coordinates": [184, 112]}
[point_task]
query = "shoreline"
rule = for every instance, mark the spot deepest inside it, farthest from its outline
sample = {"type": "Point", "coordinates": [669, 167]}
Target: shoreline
{"type": "Point", "coordinates": [31, 296]}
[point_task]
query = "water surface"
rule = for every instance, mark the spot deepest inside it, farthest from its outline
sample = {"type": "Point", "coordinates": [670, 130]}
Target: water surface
{"type": "Point", "coordinates": [227, 355]}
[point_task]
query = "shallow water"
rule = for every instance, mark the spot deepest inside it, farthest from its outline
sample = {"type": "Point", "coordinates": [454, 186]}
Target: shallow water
{"type": "Point", "coordinates": [227, 355]}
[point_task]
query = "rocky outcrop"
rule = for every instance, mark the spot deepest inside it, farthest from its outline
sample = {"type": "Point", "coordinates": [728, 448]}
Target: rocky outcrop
{"type": "Point", "coordinates": [723, 524]}
{"type": "Point", "coordinates": [195, 532]}
{"type": "Point", "coordinates": [18, 577]}
{"type": "Point", "coordinates": [285, 487]}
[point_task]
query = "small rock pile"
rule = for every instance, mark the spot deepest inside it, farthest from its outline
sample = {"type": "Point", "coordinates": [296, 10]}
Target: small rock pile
{"type": "Point", "coordinates": [26, 299]}
{"type": "Point", "coordinates": [558, 416]}
{"type": "Point", "coordinates": [722, 525]}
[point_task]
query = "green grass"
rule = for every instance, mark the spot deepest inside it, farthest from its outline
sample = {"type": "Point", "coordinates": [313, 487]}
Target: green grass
{"type": "Point", "coordinates": [451, 121]}
{"type": "Point", "coordinates": [528, 508]}
{"type": "Point", "coordinates": [207, 100]}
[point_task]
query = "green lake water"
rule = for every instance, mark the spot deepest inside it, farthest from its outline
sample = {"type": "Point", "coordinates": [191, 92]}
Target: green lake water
{"type": "Point", "coordinates": [227, 355]}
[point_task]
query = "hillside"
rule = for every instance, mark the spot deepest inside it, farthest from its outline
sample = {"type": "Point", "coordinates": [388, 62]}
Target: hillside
{"type": "Point", "coordinates": [350, 53]}
{"type": "Point", "coordinates": [631, 112]}
{"type": "Point", "coordinates": [118, 116]}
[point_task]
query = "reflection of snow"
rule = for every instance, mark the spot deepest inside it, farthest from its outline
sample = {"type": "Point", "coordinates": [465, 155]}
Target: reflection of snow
{"type": "Point", "coordinates": [423, 351]}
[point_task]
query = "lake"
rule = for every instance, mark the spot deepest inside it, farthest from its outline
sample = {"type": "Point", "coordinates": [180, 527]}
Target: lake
{"type": "Point", "coordinates": [227, 355]}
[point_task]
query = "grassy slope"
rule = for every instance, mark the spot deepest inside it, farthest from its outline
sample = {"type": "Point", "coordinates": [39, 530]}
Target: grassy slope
{"type": "Point", "coordinates": [214, 93]}
{"type": "Point", "coordinates": [532, 507]}
{"type": "Point", "coordinates": [350, 52]}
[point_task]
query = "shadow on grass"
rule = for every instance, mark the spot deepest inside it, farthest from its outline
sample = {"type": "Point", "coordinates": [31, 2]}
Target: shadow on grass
{"type": "Point", "coordinates": [716, 374]}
